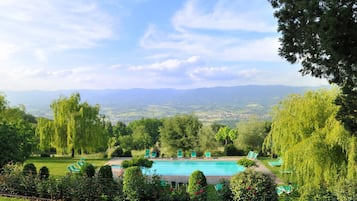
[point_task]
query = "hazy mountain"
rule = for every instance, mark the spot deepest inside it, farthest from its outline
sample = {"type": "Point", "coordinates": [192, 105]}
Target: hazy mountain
{"type": "Point", "coordinates": [209, 104]}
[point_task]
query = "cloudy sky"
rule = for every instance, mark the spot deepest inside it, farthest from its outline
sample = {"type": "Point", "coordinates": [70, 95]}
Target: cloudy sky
{"type": "Point", "coordinates": [107, 44]}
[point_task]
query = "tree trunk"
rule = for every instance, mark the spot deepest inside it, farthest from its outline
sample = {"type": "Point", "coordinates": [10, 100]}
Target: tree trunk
{"type": "Point", "coordinates": [72, 153]}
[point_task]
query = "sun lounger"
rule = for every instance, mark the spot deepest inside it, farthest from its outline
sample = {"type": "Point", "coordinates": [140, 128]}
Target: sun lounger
{"type": "Point", "coordinates": [193, 154]}
{"type": "Point", "coordinates": [179, 154]}
{"type": "Point", "coordinates": [208, 154]}
{"type": "Point", "coordinates": [73, 169]}
{"type": "Point", "coordinates": [276, 163]}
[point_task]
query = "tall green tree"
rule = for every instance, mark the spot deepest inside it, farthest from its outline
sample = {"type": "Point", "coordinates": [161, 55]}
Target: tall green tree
{"type": "Point", "coordinates": [180, 132]}
{"type": "Point", "coordinates": [312, 143]}
{"type": "Point", "coordinates": [226, 134]}
{"type": "Point", "coordinates": [77, 126]}
{"type": "Point", "coordinates": [251, 134]}
{"type": "Point", "coordinates": [322, 36]}
{"type": "Point", "coordinates": [207, 139]}
{"type": "Point", "coordinates": [148, 126]}
{"type": "Point", "coordinates": [45, 133]}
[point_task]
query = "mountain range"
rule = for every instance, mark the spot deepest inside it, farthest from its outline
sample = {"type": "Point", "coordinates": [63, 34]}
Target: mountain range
{"type": "Point", "coordinates": [216, 104]}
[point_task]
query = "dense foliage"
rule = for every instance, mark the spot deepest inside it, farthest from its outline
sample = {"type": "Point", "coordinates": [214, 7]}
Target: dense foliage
{"type": "Point", "coordinates": [322, 36]}
{"type": "Point", "coordinates": [138, 161]}
{"type": "Point", "coordinates": [197, 186]}
{"type": "Point", "coordinates": [312, 143]}
{"type": "Point", "coordinates": [253, 186]}
{"type": "Point", "coordinates": [133, 183]}
{"type": "Point", "coordinates": [29, 169]}
{"type": "Point", "coordinates": [246, 162]}
{"type": "Point", "coordinates": [180, 132]}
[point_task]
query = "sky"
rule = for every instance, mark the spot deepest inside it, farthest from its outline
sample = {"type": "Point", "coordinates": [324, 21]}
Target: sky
{"type": "Point", "coordinates": [123, 44]}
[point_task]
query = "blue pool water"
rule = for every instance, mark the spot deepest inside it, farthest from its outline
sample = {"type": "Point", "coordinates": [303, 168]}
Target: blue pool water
{"type": "Point", "coordinates": [186, 167]}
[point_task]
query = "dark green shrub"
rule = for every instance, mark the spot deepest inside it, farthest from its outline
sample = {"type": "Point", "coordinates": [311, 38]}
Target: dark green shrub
{"type": "Point", "coordinates": [246, 162]}
{"type": "Point", "coordinates": [127, 153]}
{"type": "Point", "coordinates": [197, 186]}
{"type": "Point", "coordinates": [44, 173]}
{"type": "Point", "coordinates": [133, 183]}
{"type": "Point", "coordinates": [29, 169]}
{"type": "Point", "coordinates": [225, 194]}
{"type": "Point", "coordinates": [45, 155]}
{"type": "Point", "coordinates": [141, 162]}
{"type": "Point", "coordinates": [346, 190]}
{"type": "Point", "coordinates": [231, 150]}
{"type": "Point", "coordinates": [253, 186]}
{"type": "Point", "coordinates": [118, 152]}
{"type": "Point", "coordinates": [105, 172]}
{"type": "Point", "coordinates": [88, 170]}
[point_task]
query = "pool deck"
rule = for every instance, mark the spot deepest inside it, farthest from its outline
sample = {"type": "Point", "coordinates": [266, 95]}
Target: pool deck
{"type": "Point", "coordinates": [184, 179]}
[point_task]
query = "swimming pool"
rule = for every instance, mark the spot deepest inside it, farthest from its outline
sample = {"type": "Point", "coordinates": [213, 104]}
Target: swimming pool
{"type": "Point", "coordinates": [186, 167]}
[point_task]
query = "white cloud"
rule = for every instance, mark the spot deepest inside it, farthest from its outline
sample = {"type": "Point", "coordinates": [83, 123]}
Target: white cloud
{"type": "Point", "coordinates": [224, 15]}
{"type": "Point", "coordinates": [53, 25]}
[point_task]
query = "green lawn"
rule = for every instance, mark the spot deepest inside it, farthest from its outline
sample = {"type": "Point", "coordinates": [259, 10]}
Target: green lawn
{"type": "Point", "coordinates": [58, 165]}
{"type": "Point", "coordinates": [11, 199]}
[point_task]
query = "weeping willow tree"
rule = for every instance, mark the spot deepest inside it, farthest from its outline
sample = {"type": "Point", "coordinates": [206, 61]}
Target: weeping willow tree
{"type": "Point", "coordinates": [77, 126]}
{"type": "Point", "coordinates": [44, 131]}
{"type": "Point", "coordinates": [312, 143]}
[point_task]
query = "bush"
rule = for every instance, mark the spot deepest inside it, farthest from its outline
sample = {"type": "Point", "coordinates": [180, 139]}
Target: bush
{"type": "Point", "coordinates": [346, 190]}
{"type": "Point", "coordinates": [318, 194]}
{"type": "Point", "coordinates": [88, 170]}
{"type": "Point", "coordinates": [118, 152]}
{"type": "Point", "coordinates": [231, 150]}
{"type": "Point", "coordinates": [225, 194]}
{"type": "Point", "coordinates": [133, 183]}
{"type": "Point", "coordinates": [141, 162]}
{"type": "Point", "coordinates": [29, 169]}
{"type": "Point", "coordinates": [44, 173]}
{"type": "Point", "coordinates": [105, 172]}
{"type": "Point", "coordinates": [253, 186]}
{"type": "Point", "coordinates": [246, 162]}
{"type": "Point", "coordinates": [45, 155]}
{"type": "Point", "coordinates": [197, 186]}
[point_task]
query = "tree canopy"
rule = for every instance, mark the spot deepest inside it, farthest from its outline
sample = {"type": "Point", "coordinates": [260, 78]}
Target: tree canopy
{"type": "Point", "coordinates": [322, 35]}
{"type": "Point", "coordinates": [180, 132]}
{"type": "Point", "coordinates": [312, 143]}
{"type": "Point", "coordinates": [77, 126]}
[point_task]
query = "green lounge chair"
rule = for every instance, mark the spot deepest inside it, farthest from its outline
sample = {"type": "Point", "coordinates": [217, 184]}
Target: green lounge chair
{"type": "Point", "coordinates": [218, 187]}
{"type": "Point", "coordinates": [252, 155]}
{"type": "Point", "coordinates": [287, 189]}
{"type": "Point", "coordinates": [153, 154]}
{"type": "Point", "coordinates": [147, 153]}
{"type": "Point", "coordinates": [276, 163]}
{"type": "Point", "coordinates": [193, 154]}
{"type": "Point", "coordinates": [179, 153]}
{"type": "Point", "coordinates": [81, 163]}
{"type": "Point", "coordinates": [73, 169]}
{"type": "Point", "coordinates": [208, 154]}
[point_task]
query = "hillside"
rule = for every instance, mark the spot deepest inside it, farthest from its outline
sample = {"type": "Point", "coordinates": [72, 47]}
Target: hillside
{"type": "Point", "coordinates": [217, 104]}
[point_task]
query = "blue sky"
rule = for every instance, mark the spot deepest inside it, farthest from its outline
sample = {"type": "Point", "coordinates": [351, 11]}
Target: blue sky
{"type": "Point", "coordinates": [122, 44]}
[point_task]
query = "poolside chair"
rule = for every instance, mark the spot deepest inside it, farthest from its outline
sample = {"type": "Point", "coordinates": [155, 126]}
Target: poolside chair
{"type": "Point", "coordinates": [147, 153]}
{"type": "Point", "coordinates": [193, 154]}
{"type": "Point", "coordinates": [208, 154]}
{"type": "Point", "coordinates": [287, 189]}
{"type": "Point", "coordinates": [73, 169]}
{"type": "Point", "coordinates": [218, 187]}
{"type": "Point", "coordinates": [252, 155]}
{"type": "Point", "coordinates": [276, 163]}
{"type": "Point", "coordinates": [179, 153]}
{"type": "Point", "coordinates": [153, 154]}
{"type": "Point", "coordinates": [81, 163]}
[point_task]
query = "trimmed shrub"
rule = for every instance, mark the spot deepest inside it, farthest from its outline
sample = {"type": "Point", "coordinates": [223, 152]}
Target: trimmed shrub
{"type": "Point", "coordinates": [141, 162]}
{"type": "Point", "coordinates": [44, 173]}
{"type": "Point", "coordinates": [197, 186]}
{"type": "Point", "coordinates": [105, 172]}
{"type": "Point", "coordinates": [253, 186]}
{"type": "Point", "coordinates": [246, 162]}
{"type": "Point", "coordinates": [29, 169]}
{"type": "Point", "coordinates": [133, 183]}
{"type": "Point", "coordinates": [88, 170]}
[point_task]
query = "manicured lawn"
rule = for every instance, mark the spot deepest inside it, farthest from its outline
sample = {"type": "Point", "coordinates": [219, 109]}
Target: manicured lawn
{"type": "Point", "coordinates": [58, 165]}
{"type": "Point", "coordinates": [11, 199]}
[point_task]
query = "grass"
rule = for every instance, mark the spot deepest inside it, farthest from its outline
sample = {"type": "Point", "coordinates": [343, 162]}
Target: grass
{"type": "Point", "coordinates": [58, 165]}
{"type": "Point", "coordinates": [11, 199]}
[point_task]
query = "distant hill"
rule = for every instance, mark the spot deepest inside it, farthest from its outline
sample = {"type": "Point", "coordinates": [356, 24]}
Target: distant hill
{"type": "Point", "coordinates": [216, 104]}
